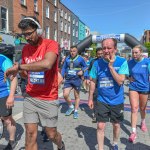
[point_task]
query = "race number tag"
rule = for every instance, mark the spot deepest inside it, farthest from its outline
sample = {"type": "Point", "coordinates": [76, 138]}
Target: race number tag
{"type": "Point", "coordinates": [37, 77]}
{"type": "Point", "coordinates": [106, 82]}
{"type": "Point", "coordinates": [72, 72]}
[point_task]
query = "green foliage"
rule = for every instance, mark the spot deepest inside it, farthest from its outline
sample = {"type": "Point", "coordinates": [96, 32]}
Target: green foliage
{"type": "Point", "coordinates": [93, 52]}
{"type": "Point", "coordinates": [147, 45]}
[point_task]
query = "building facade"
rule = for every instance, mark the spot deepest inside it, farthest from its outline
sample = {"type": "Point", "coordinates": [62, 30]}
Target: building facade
{"type": "Point", "coordinates": [87, 31]}
{"type": "Point", "coordinates": [81, 30]}
{"type": "Point", "coordinates": [146, 36]}
{"type": "Point", "coordinates": [74, 29]}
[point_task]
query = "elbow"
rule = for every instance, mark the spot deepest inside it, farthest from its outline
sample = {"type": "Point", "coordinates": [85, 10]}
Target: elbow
{"type": "Point", "coordinates": [48, 66]}
{"type": "Point", "coordinates": [120, 82]}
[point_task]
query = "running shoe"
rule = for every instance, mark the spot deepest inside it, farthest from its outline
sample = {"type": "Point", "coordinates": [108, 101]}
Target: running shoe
{"type": "Point", "coordinates": [11, 145]}
{"type": "Point", "coordinates": [132, 137]}
{"type": "Point", "coordinates": [63, 146]}
{"type": "Point", "coordinates": [75, 115]}
{"type": "Point", "coordinates": [114, 147]}
{"type": "Point", "coordinates": [69, 111]}
{"type": "Point", "coordinates": [143, 127]}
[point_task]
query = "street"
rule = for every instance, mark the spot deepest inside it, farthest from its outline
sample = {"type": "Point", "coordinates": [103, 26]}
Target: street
{"type": "Point", "coordinates": [80, 134]}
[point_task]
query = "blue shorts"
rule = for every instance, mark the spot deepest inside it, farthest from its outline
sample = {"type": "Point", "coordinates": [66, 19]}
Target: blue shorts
{"type": "Point", "coordinates": [74, 83]}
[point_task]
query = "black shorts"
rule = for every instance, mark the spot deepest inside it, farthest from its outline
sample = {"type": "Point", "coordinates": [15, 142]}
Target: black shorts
{"type": "Point", "coordinates": [108, 113]}
{"type": "Point", "coordinates": [141, 92]}
{"type": "Point", "coordinates": [4, 112]}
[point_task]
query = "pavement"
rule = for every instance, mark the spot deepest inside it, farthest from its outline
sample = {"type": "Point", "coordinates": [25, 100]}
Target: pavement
{"type": "Point", "coordinates": [80, 134]}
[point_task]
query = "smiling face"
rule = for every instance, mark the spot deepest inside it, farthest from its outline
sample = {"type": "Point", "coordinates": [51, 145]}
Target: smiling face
{"type": "Point", "coordinates": [109, 48]}
{"type": "Point", "coordinates": [137, 53]}
{"type": "Point", "coordinates": [31, 36]}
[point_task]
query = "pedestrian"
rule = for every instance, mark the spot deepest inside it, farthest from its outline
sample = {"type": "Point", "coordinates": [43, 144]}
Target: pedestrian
{"type": "Point", "coordinates": [99, 54]}
{"type": "Point", "coordinates": [39, 63]}
{"type": "Point", "coordinates": [7, 91]}
{"type": "Point", "coordinates": [139, 70]}
{"type": "Point", "coordinates": [109, 74]}
{"type": "Point", "coordinates": [72, 70]}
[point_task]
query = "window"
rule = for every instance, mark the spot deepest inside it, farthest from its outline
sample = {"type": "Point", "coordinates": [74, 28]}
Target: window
{"type": "Point", "coordinates": [61, 13]}
{"type": "Point", "coordinates": [65, 15]}
{"type": "Point", "coordinates": [55, 2]}
{"type": "Point", "coordinates": [55, 16]}
{"type": "Point", "coordinates": [68, 29]}
{"type": "Point", "coordinates": [35, 5]}
{"type": "Point", "coordinates": [73, 32]}
{"type": "Point", "coordinates": [69, 18]}
{"type": "Point", "coordinates": [77, 23]}
{"type": "Point", "coordinates": [4, 18]}
{"type": "Point", "coordinates": [55, 35]}
{"type": "Point", "coordinates": [61, 26]}
{"type": "Point", "coordinates": [76, 33]}
{"type": "Point", "coordinates": [47, 11]}
{"type": "Point", "coordinates": [73, 21]}
{"type": "Point", "coordinates": [65, 27]}
{"type": "Point", "coordinates": [47, 32]}
{"type": "Point", "coordinates": [23, 2]}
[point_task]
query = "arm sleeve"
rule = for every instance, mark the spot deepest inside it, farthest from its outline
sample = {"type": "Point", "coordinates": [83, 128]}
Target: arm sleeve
{"type": "Point", "coordinates": [64, 67]}
{"type": "Point", "coordinates": [93, 72]}
{"type": "Point", "coordinates": [83, 64]}
{"type": "Point", "coordinates": [6, 64]}
{"type": "Point", "coordinates": [124, 69]}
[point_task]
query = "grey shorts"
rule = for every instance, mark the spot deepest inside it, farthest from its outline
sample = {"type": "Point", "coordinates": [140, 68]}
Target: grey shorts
{"type": "Point", "coordinates": [40, 111]}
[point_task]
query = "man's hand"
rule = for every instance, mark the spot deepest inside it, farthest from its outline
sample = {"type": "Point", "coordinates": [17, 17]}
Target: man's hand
{"type": "Point", "coordinates": [10, 102]}
{"type": "Point", "coordinates": [111, 59]}
{"type": "Point", "coordinates": [11, 72]}
{"type": "Point", "coordinates": [91, 104]}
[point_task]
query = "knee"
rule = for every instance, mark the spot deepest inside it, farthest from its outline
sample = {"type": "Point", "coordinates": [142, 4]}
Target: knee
{"type": "Point", "coordinates": [31, 135]}
{"type": "Point", "coordinates": [116, 125]}
{"type": "Point", "coordinates": [66, 95]}
{"type": "Point", "coordinates": [9, 121]}
{"type": "Point", "coordinates": [52, 134]}
{"type": "Point", "coordinates": [100, 127]}
{"type": "Point", "coordinates": [134, 109]}
{"type": "Point", "coordinates": [142, 108]}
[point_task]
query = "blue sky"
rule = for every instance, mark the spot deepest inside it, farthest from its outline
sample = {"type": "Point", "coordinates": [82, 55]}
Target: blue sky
{"type": "Point", "coordinates": [113, 16]}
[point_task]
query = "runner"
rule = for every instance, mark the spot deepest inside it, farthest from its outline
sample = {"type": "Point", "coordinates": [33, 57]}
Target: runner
{"type": "Point", "coordinates": [109, 74]}
{"type": "Point", "coordinates": [139, 69]}
{"type": "Point", "coordinates": [7, 91]}
{"type": "Point", "coordinates": [40, 63]}
{"type": "Point", "coordinates": [99, 54]}
{"type": "Point", "coordinates": [72, 70]}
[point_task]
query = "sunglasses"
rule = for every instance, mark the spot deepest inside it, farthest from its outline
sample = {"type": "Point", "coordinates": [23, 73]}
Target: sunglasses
{"type": "Point", "coordinates": [28, 33]}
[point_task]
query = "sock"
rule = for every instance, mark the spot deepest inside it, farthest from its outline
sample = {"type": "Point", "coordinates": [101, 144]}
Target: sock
{"type": "Point", "coordinates": [76, 110]}
{"type": "Point", "coordinates": [134, 130]}
{"type": "Point", "coordinates": [114, 143]}
{"type": "Point", "coordinates": [143, 120]}
{"type": "Point", "coordinates": [71, 106]}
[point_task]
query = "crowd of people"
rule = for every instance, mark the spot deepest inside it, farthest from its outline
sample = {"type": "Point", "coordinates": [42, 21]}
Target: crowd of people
{"type": "Point", "coordinates": [103, 77]}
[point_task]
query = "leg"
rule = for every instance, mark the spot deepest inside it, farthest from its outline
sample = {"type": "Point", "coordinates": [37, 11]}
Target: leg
{"type": "Point", "coordinates": [143, 103]}
{"type": "Point", "coordinates": [11, 127]}
{"type": "Point", "coordinates": [100, 135]}
{"type": "Point", "coordinates": [77, 99]}
{"type": "Point", "coordinates": [134, 102]}
{"type": "Point", "coordinates": [66, 93]}
{"type": "Point", "coordinates": [54, 135]}
{"type": "Point", "coordinates": [31, 136]}
{"type": "Point", "coordinates": [116, 132]}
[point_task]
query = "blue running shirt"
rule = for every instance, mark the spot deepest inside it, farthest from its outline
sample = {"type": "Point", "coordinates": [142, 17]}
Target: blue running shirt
{"type": "Point", "coordinates": [139, 71]}
{"type": "Point", "coordinates": [109, 91]}
{"type": "Point", "coordinates": [5, 63]}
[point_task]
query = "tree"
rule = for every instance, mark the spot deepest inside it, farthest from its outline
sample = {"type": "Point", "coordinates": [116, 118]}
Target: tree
{"type": "Point", "coordinates": [147, 45]}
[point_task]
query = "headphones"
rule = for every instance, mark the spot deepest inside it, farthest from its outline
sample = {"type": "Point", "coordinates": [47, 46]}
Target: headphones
{"type": "Point", "coordinates": [39, 29]}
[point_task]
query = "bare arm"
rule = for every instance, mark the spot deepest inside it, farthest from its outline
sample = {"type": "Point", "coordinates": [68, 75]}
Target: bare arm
{"type": "Point", "coordinates": [10, 99]}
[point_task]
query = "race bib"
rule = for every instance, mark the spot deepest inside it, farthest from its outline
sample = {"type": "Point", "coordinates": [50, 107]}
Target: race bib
{"type": "Point", "coordinates": [72, 72]}
{"type": "Point", "coordinates": [37, 77]}
{"type": "Point", "coordinates": [106, 82]}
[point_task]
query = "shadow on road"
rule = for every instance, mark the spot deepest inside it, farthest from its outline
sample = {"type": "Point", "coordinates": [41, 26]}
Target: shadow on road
{"type": "Point", "coordinates": [136, 146]}
{"type": "Point", "coordinates": [89, 135]}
